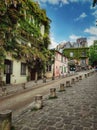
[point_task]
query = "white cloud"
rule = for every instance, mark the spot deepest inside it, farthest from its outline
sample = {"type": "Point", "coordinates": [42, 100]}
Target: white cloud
{"type": "Point", "coordinates": [73, 0]}
{"type": "Point", "coordinates": [64, 1]}
{"type": "Point", "coordinates": [74, 37]}
{"type": "Point", "coordinates": [53, 43]}
{"type": "Point", "coordinates": [95, 14]}
{"type": "Point", "coordinates": [80, 0]}
{"type": "Point", "coordinates": [93, 34]}
{"type": "Point", "coordinates": [60, 2]}
{"type": "Point", "coordinates": [91, 39]}
{"type": "Point", "coordinates": [82, 16]}
{"type": "Point", "coordinates": [92, 30]}
{"type": "Point", "coordinates": [54, 2]}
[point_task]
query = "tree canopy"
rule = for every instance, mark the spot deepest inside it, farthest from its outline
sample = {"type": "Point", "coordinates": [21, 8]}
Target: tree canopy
{"type": "Point", "coordinates": [93, 54]}
{"type": "Point", "coordinates": [94, 2]}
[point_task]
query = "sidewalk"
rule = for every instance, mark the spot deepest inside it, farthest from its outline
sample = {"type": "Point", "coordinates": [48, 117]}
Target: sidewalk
{"type": "Point", "coordinates": [74, 109]}
{"type": "Point", "coordinates": [13, 89]}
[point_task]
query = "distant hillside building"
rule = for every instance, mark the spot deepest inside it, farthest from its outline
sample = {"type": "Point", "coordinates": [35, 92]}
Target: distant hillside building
{"type": "Point", "coordinates": [77, 53]}
{"type": "Point", "coordinates": [81, 42]}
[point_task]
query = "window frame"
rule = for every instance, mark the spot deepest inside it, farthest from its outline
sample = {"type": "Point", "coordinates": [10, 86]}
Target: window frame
{"type": "Point", "coordinates": [23, 68]}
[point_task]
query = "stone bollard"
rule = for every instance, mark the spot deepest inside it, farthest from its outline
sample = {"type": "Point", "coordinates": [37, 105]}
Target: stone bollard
{"type": "Point", "coordinates": [6, 120]}
{"type": "Point", "coordinates": [35, 81]}
{"type": "Point", "coordinates": [44, 80]}
{"type": "Point", "coordinates": [77, 79]}
{"type": "Point", "coordinates": [38, 104]}
{"type": "Point", "coordinates": [4, 91]}
{"type": "Point", "coordinates": [53, 78]}
{"type": "Point", "coordinates": [2, 83]}
{"type": "Point", "coordinates": [72, 80]}
{"type": "Point", "coordinates": [88, 74]}
{"type": "Point", "coordinates": [91, 73]}
{"type": "Point", "coordinates": [85, 75]}
{"type": "Point", "coordinates": [68, 84]}
{"type": "Point", "coordinates": [62, 87]}
{"type": "Point", "coordinates": [63, 76]}
{"type": "Point", "coordinates": [24, 85]}
{"type": "Point", "coordinates": [80, 77]}
{"type": "Point", "coordinates": [53, 93]}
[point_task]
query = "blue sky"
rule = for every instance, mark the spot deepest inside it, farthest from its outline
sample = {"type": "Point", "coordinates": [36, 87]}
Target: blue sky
{"type": "Point", "coordinates": [71, 19]}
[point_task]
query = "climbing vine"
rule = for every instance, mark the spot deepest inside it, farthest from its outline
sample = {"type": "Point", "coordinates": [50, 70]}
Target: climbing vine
{"type": "Point", "coordinates": [20, 30]}
{"type": "Point", "coordinates": [78, 53]}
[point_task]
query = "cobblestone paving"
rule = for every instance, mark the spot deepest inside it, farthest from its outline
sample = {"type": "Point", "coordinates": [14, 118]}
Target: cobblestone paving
{"type": "Point", "coordinates": [74, 109]}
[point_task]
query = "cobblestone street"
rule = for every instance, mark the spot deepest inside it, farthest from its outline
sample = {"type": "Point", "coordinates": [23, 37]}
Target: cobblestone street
{"type": "Point", "coordinates": [74, 109]}
{"type": "Point", "coordinates": [48, 64]}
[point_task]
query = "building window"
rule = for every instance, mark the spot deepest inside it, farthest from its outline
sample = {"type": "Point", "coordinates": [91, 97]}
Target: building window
{"type": "Point", "coordinates": [71, 54]}
{"type": "Point", "coordinates": [83, 61]}
{"type": "Point", "coordinates": [83, 53]}
{"type": "Point", "coordinates": [48, 68]}
{"type": "Point", "coordinates": [23, 68]}
{"type": "Point", "coordinates": [8, 66]}
{"type": "Point", "coordinates": [64, 69]}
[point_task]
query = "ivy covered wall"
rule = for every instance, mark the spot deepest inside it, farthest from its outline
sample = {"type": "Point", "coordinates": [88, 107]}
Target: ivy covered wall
{"type": "Point", "coordinates": [77, 53]}
{"type": "Point", "coordinates": [20, 30]}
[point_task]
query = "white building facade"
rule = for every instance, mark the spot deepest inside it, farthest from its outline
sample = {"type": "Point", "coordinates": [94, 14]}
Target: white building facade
{"type": "Point", "coordinates": [15, 71]}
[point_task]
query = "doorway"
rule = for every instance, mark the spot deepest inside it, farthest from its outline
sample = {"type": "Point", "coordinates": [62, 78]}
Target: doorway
{"type": "Point", "coordinates": [8, 70]}
{"type": "Point", "coordinates": [8, 77]}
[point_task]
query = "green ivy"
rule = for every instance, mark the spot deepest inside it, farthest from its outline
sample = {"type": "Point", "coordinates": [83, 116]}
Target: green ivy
{"type": "Point", "coordinates": [14, 25]}
{"type": "Point", "coordinates": [77, 52]}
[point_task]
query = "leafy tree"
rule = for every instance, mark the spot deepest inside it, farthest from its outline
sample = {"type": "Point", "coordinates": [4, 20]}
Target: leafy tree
{"type": "Point", "coordinates": [94, 2]}
{"type": "Point", "coordinates": [93, 54]}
